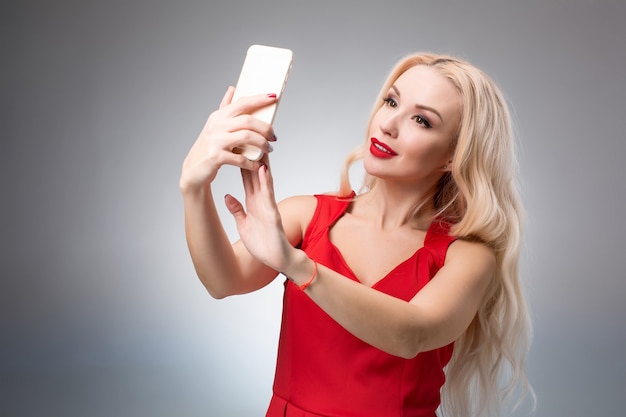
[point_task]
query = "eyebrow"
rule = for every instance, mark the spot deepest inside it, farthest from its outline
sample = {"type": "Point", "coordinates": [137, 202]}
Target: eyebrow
{"type": "Point", "coordinates": [420, 106]}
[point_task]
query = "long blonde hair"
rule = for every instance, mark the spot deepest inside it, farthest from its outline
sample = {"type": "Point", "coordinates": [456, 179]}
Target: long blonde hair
{"type": "Point", "coordinates": [480, 197]}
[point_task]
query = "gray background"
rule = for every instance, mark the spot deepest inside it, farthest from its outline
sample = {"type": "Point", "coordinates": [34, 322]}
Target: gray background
{"type": "Point", "coordinates": [100, 310]}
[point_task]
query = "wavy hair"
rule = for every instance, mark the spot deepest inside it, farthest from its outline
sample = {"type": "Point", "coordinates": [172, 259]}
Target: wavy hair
{"type": "Point", "coordinates": [479, 196]}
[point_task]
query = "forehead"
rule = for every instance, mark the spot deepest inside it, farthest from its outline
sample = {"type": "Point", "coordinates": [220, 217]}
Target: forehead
{"type": "Point", "coordinates": [427, 86]}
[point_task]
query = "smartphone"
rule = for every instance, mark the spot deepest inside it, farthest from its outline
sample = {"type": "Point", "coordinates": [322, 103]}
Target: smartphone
{"type": "Point", "coordinates": [265, 70]}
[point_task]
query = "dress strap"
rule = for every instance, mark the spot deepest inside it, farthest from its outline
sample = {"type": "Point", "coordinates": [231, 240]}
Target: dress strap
{"type": "Point", "coordinates": [329, 209]}
{"type": "Point", "coordinates": [438, 239]}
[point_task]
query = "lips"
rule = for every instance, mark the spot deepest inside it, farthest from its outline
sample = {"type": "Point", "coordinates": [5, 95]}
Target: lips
{"type": "Point", "coordinates": [380, 150]}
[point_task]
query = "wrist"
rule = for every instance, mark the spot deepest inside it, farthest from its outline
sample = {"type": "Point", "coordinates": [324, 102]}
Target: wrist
{"type": "Point", "coordinates": [197, 180]}
{"type": "Point", "coordinates": [302, 271]}
{"type": "Point", "coordinates": [189, 187]}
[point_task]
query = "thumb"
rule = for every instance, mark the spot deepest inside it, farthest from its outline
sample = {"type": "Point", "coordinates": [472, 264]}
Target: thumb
{"type": "Point", "coordinates": [235, 208]}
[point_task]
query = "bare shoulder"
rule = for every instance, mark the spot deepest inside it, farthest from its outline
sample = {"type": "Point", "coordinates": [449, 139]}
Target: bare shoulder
{"type": "Point", "coordinates": [298, 206]}
{"type": "Point", "coordinates": [296, 213]}
{"type": "Point", "coordinates": [472, 255]}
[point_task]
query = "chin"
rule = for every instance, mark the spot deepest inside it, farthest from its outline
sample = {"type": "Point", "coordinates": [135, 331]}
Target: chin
{"type": "Point", "coordinates": [374, 166]}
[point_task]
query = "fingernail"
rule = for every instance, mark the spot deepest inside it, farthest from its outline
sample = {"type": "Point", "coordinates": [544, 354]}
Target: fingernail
{"type": "Point", "coordinates": [274, 138]}
{"type": "Point", "coordinates": [272, 95]}
{"type": "Point", "coordinates": [270, 147]}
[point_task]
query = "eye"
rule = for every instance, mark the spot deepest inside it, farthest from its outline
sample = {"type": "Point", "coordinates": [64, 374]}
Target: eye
{"type": "Point", "coordinates": [422, 121]}
{"type": "Point", "coordinates": [390, 102]}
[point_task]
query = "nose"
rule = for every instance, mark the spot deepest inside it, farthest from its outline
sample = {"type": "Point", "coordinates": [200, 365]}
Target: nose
{"type": "Point", "coordinates": [389, 125]}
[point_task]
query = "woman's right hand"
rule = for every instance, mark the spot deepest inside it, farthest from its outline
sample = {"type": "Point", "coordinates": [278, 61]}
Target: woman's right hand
{"type": "Point", "coordinates": [227, 128]}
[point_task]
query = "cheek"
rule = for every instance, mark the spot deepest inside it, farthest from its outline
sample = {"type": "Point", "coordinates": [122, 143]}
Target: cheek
{"type": "Point", "coordinates": [430, 151]}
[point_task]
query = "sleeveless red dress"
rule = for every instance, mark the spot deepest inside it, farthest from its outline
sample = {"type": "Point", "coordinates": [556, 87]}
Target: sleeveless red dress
{"type": "Point", "coordinates": [323, 370]}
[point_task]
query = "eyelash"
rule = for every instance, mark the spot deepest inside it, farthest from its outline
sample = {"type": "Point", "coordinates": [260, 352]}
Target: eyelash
{"type": "Point", "coordinates": [421, 120]}
{"type": "Point", "coordinates": [390, 102]}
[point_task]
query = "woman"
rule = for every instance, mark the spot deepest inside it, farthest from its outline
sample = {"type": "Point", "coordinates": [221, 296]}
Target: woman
{"type": "Point", "coordinates": [391, 292]}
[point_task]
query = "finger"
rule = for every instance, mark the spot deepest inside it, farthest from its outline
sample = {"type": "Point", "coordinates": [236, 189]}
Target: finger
{"type": "Point", "coordinates": [265, 160]}
{"type": "Point", "coordinates": [246, 177]}
{"type": "Point", "coordinates": [251, 182]}
{"type": "Point", "coordinates": [248, 104]}
{"type": "Point", "coordinates": [266, 183]}
{"type": "Point", "coordinates": [254, 179]}
{"type": "Point", "coordinates": [235, 208]}
{"type": "Point", "coordinates": [238, 160]}
{"type": "Point", "coordinates": [228, 96]}
{"type": "Point", "coordinates": [252, 131]}
{"type": "Point", "coordinates": [246, 129]}
{"type": "Point", "coordinates": [257, 125]}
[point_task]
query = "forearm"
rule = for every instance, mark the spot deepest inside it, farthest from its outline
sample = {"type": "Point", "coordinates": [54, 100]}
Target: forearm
{"type": "Point", "coordinates": [212, 254]}
{"type": "Point", "coordinates": [390, 324]}
{"type": "Point", "coordinates": [223, 268]}
{"type": "Point", "coordinates": [437, 315]}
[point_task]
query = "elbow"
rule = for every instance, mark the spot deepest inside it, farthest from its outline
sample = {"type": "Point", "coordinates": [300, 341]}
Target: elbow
{"type": "Point", "coordinates": [216, 293]}
{"type": "Point", "coordinates": [216, 289]}
{"type": "Point", "coordinates": [410, 343]}
{"type": "Point", "coordinates": [420, 332]}
{"type": "Point", "coordinates": [408, 354]}
{"type": "Point", "coordinates": [409, 351]}
{"type": "Point", "coordinates": [422, 340]}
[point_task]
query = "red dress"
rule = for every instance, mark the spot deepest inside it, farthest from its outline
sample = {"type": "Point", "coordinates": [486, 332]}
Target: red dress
{"type": "Point", "coordinates": [323, 370]}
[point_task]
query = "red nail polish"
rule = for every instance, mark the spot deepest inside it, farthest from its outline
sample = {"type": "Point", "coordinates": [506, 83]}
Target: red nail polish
{"type": "Point", "coordinates": [272, 95]}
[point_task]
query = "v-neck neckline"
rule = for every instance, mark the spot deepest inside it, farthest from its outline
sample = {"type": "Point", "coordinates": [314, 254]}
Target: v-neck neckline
{"type": "Point", "coordinates": [391, 271]}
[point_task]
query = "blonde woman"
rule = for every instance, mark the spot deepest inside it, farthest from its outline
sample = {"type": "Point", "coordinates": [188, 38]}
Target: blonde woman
{"type": "Point", "coordinates": [401, 299]}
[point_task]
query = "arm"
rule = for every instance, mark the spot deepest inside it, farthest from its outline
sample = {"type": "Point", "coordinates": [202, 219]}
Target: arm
{"type": "Point", "coordinates": [222, 268]}
{"type": "Point", "coordinates": [227, 269]}
{"type": "Point", "coordinates": [219, 265]}
{"type": "Point", "coordinates": [436, 316]}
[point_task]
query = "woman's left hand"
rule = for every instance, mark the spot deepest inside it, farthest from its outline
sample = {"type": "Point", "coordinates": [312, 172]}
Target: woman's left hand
{"type": "Point", "coordinates": [259, 224]}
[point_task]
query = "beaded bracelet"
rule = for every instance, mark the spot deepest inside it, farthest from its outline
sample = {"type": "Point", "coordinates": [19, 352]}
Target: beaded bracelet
{"type": "Point", "coordinates": [306, 284]}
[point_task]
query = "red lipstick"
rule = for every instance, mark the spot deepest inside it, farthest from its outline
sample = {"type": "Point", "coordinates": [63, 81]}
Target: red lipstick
{"type": "Point", "coordinates": [380, 150]}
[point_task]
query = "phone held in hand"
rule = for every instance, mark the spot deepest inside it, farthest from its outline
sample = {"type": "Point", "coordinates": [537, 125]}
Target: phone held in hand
{"type": "Point", "coordinates": [265, 70]}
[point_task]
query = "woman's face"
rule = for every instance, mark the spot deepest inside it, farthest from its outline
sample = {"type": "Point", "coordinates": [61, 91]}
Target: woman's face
{"type": "Point", "coordinates": [412, 132]}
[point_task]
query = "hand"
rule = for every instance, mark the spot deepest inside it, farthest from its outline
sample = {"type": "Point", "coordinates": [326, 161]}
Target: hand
{"type": "Point", "coordinates": [227, 128]}
{"type": "Point", "coordinates": [261, 228]}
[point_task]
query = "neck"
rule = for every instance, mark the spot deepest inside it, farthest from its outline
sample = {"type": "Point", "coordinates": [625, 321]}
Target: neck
{"type": "Point", "coordinates": [390, 205]}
